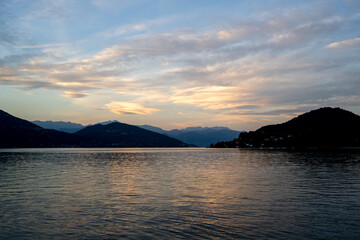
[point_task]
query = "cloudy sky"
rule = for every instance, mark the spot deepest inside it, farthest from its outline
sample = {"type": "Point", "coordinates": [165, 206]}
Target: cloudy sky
{"type": "Point", "coordinates": [173, 64]}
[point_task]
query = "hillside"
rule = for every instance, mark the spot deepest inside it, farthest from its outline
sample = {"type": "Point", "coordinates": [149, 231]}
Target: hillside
{"type": "Point", "coordinates": [124, 135]}
{"type": "Point", "coordinates": [16, 132]}
{"type": "Point", "coordinates": [324, 127]}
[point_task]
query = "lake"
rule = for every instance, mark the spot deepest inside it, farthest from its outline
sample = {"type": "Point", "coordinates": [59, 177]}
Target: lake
{"type": "Point", "coordinates": [190, 193]}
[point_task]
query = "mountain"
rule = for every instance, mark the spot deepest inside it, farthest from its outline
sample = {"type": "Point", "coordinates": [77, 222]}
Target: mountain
{"type": "Point", "coordinates": [16, 132]}
{"type": "Point", "coordinates": [68, 127]}
{"type": "Point", "coordinates": [154, 129]}
{"type": "Point", "coordinates": [324, 128]}
{"type": "Point", "coordinates": [124, 135]}
{"type": "Point", "coordinates": [203, 137]}
{"type": "Point", "coordinates": [198, 136]}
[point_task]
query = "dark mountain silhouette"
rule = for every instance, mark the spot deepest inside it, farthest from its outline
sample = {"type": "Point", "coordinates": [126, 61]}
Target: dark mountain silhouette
{"type": "Point", "coordinates": [199, 136]}
{"type": "Point", "coordinates": [124, 135]}
{"type": "Point", "coordinates": [16, 132]}
{"type": "Point", "coordinates": [324, 128]}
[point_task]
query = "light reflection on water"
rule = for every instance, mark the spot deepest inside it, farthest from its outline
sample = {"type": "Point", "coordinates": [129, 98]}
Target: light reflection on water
{"type": "Point", "coordinates": [178, 193]}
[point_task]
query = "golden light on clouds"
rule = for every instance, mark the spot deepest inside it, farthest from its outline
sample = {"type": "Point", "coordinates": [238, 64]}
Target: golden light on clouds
{"type": "Point", "coordinates": [210, 97]}
{"type": "Point", "coordinates": [70, 94]}
{"type": "Point", "coordinates": [129, 108]}
{"type": "Point", "coordinates": [106, 54]}
{"type": "Point", "coordinates": [349, 43]}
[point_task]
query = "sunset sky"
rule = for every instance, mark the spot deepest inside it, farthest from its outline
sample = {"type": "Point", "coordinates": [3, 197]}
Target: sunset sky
{"type": "Point", "coordinates": [174, 64]}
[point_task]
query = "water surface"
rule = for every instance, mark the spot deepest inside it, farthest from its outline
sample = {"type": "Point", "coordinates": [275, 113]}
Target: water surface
{"type": "Point", "coordinates": [178, 193]}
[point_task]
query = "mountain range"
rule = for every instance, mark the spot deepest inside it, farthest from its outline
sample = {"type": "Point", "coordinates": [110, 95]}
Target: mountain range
{"type": "Point", "coordinates": [16, 132]}
{"type": "Point", "coordinates": [196, 136]}
{"type": "Point", "coordinates": [321, 128]}
{"type": "Point", "coordinates": [199, 136]}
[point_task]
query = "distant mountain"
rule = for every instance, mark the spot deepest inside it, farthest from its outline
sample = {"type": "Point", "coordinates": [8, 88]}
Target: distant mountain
{"type": "Point", "coordinates": [124, 135]}
{"type": "Point", "coordinates": [324, 128]}
{"type": "Point", "coordinates": [203, 137]}
{"type": "Point", "coordinates": [16, 132]}
{"type": "Point", "coordinates": [198, 136]}
{"type": "Point", "coordinates": [68, 127]}
{"type": "Point", "coordinates": [154, 129]}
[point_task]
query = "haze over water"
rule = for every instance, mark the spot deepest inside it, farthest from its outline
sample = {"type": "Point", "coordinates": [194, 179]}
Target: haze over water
{"type": "Point", "coordinates": [178, 193]}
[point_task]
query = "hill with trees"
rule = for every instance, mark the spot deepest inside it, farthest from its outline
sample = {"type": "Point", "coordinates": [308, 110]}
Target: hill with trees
{"type": "Point", "coordinates": [321, 128]}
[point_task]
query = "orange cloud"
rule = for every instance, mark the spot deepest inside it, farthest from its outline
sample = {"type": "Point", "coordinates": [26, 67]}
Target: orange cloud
{"type": "Point", "coordinates": [129, 108]}
{"type": "Point", "coordinates": [210, 97]}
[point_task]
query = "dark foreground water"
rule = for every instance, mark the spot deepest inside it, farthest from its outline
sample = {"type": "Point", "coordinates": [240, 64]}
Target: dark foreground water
{"type": "Point", "coordinates": [178, 193]}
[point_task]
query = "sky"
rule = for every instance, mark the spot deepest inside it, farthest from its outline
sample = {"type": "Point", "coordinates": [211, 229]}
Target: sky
{"type": "Point", "coordinates": [174, 64]}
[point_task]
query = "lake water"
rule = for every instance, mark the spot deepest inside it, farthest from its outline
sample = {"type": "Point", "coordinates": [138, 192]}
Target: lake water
{"type": "Point", "coordinates": [179, 194]}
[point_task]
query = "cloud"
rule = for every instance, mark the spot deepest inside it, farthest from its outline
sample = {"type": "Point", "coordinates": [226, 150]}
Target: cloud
{"type": "Point", "coordinates": [69, 94]}
{"type": "Point", "coordinates": [210, 97]}
{"type": "Point", "coordinates": [345, 44]}
{"type": "Point", "coordinates": [129, 108]}
{"type": "Point", "coordinates": [279, 111]}
{"type": "Point", "coordinates": [16, 26]}
{"type": "Point", "coordinates": [16, 59]}
{"type": "Point", "coordinates": [42, 46]}
{"type": "Point", "coordinates": [114, 5]}
{"type": "Point", "coordinates": [353, 3]}
{"type": "Point", "coordinates": [139, 27]}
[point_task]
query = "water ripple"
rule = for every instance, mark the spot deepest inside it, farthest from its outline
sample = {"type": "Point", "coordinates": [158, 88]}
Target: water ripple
{"type": "Point", "coordinates": [178, 194]}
